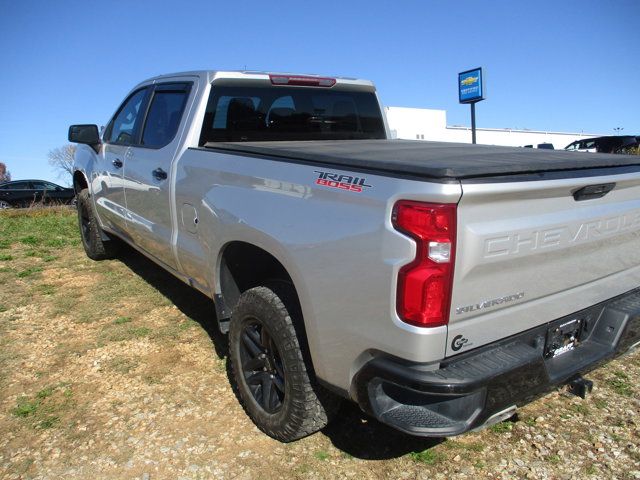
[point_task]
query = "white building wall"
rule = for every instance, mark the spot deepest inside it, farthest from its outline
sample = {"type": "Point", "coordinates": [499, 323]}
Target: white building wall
{"type": "Point", "coordinates": [426, 124]}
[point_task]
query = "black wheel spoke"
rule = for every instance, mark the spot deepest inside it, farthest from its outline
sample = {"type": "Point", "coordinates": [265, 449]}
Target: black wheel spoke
{"type": "Point", "coordinates": [277, 363]}
{"type": "Point", "coordinates": [278, 383]}
{"type": "Point", "coordinates": [249, 341]}
{"type": "Point", "coordinates": [267, 386]}
{"type": "Point", "coordinates": [254, 364]}
{"type": "Point", "coordinates": [255, 379]}
{"type": "Point", "coordinates": [265, 340]}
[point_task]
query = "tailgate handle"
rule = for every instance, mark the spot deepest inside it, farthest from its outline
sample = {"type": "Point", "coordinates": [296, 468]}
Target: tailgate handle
{"type": "Point", "coordinates": [593, 191]}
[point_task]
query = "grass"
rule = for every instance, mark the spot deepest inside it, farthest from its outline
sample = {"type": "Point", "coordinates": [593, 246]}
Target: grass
{"type": "Point", "coordinates": [121, 320]}
{"type": "Point", "coordinates": [428, 457]}
{"type": "Point", "coordinates": [43, 410]}
{"type": "Point", "coordinates": [600, 403]}
{"type": "Point", "coordinates": [321, 455]}
{"type": "Point", "coordinates": [502, 427]}
{"type": "Point", "coordinates": [46, 289]}
{"type": "Point", "coordinates": [123, 334]}
{"type": "Point", "coordinates": [468, 446]}
{"type": "Point", "coordinates": [122, 365]}
{"type": "Point", "coordinates": [591, 470]}
{"type": "Point", "coordinates": [25, 407]}
{"type": "Point", "coordinates": [580, 408]}
{"type": "Point", "coordinates": [39, 227]}
{"type": "Point", "coordinates": [5, 257]}
{"type": "Point", "coordinates": [28, 272]}
{"type": "Point", "coordinates": [621, 384]}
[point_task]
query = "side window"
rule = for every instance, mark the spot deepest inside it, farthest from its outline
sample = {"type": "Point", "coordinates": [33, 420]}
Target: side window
{"type": "Point", "coordinates": [123, 127]}
{"type": "Point", "coordinates": [164, 116]}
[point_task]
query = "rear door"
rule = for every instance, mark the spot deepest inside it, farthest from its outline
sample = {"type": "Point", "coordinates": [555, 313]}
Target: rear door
{"type": "Point", "coordinates": [107, 183]}
{"type": "Point", "coordinates": [147, 172]}
{"type": "Point", "coordinates": [529, 252]}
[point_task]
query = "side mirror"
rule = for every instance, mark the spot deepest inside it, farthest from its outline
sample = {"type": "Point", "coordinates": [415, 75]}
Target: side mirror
{"type": "Point", "coordinates": [87, 134]}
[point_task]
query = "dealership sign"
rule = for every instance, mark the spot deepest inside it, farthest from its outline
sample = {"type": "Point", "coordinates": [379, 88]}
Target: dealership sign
{"type": "Point", "coordinates": [470, 86]}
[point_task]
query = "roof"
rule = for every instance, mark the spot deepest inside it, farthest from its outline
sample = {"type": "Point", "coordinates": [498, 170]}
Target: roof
{"type": "Point", "coordinates": [212, 75]}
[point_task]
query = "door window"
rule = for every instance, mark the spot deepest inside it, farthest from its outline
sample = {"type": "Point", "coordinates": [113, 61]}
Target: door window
{"type": "Point", "coordinates": [164, 116]}
{"type": "Point", "coordinates": [123, 127]}
{"type": "Point", "coordinates": [17, 186]}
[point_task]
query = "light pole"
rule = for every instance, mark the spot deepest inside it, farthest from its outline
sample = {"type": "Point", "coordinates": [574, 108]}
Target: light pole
{"type": "Point", "coordinates": [618, 130]}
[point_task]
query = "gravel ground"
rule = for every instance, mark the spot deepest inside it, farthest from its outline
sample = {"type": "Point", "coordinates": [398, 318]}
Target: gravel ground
{"type": "Point", "coordinates": [113, 370]}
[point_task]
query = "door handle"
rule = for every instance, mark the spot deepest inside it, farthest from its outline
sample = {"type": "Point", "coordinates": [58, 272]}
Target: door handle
{"type": "Point", "coordinates": [117, 163]}
{"type": "Point", "coordinates": [159, 174]}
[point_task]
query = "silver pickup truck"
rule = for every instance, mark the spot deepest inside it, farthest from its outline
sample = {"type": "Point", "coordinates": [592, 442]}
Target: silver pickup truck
{"type": "Point", "coordinates": [437, 285]}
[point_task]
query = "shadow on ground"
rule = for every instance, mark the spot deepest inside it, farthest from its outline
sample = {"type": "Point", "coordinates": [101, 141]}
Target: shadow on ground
{"type": "Point", "coordinates": [361, 436]}
{"type": "Point", "coordinates": [189, 301]}
{"type": "Point", "coordinates": [351, 431]}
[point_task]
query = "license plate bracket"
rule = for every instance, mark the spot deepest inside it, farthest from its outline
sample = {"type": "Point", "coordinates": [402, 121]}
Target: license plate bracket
{"type": "Point", "coordinates": [563, 337]}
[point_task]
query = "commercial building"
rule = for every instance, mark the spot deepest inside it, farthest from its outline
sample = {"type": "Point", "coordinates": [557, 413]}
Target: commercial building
{"type": "Point", "coordinates": [427, 124]}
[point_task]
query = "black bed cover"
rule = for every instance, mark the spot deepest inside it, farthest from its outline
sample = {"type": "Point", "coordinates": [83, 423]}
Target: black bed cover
{"type": "Point", "coordinates": [438, 160]}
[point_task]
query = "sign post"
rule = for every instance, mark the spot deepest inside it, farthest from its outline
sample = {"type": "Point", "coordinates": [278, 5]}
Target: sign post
{"type": "Point", "coordinates": [471, 90]}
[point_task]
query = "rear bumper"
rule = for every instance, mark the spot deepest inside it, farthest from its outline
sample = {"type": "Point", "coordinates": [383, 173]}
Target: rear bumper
{"type": "Point", "coordinates": [470, 389]}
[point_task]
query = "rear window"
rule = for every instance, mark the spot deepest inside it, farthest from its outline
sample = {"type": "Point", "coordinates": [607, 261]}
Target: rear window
{"type": "Point", "coordinates": [244, 114]}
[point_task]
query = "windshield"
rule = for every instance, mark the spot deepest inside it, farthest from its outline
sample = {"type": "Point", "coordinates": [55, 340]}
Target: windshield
{"type": "Point", "coordinates": [242, 114]}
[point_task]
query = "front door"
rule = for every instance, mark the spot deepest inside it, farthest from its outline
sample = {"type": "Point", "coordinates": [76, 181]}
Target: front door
{"type": "Point", "coordinates": [147, 172]}
{"type": "Point", "coordinates": [107, 183]}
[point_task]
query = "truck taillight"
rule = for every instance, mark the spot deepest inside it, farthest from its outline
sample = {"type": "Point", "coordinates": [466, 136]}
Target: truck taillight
{"type": "Point", "coordinates": [424, 285]}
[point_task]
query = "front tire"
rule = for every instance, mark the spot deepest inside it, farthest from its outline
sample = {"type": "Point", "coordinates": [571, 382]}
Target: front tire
{"type": "Point", "coordinates": [273, 382]}
{"type": "Point", "coordinates": [91, 234]}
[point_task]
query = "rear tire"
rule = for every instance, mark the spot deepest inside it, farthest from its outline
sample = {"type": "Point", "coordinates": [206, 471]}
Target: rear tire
{"type": "Point", "coordinates": [91, 234]}
{"type": "Point", "coordinates": [274, 384]}
{"type": "Point", "coordinates": [4, 205]}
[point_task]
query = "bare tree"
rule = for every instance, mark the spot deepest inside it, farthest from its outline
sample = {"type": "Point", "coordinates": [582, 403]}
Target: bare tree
{"type": "Point", "coordinates": [5, 175]}
{"type": "Point", "coordinates": [61, 159]}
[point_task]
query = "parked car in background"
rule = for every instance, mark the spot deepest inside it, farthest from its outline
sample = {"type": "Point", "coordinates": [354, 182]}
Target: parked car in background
{"type": "Point", "coordinates": [544, 146]}
{"type": "Point", "coordinates": [632, 148]}
{"type": "Point", "coordinates": [611, 144]}
{"type": "Point", "coordinates": [22, 193]}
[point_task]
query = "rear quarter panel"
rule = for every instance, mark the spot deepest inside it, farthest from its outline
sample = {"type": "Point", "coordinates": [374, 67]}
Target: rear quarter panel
{"type": "Point", "coordinates": [339, 248]}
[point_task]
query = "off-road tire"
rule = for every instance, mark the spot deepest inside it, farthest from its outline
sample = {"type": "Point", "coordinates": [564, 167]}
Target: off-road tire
{"type": "Point", "coordinates": [90, 232]}
{"type": "Point", "coordinates": [306, 406]}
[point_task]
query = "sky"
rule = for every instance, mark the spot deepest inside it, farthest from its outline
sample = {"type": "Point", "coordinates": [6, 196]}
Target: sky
{"type": "Point", "coordinates": [569, 66]}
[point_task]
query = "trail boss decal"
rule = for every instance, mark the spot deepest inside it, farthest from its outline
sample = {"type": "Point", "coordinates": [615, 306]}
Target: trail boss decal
{"type": "Point", "coordinates": [343, 182]}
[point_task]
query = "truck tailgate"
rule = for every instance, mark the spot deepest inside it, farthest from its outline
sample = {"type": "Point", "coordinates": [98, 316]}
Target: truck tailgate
{"type": "Point", "coordinates": [528, 252]}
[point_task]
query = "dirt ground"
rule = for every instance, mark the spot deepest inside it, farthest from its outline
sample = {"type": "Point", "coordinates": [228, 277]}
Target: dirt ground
{"type": "Point", "coordinates": [114, 370]}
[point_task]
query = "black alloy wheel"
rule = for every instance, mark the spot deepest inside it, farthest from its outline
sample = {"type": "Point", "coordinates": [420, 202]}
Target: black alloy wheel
{"type": "Point", "coordinates": [262, 366]}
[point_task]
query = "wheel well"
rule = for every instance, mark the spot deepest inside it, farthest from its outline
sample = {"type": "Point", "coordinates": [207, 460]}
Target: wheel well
{"type": "Point", "coordinates": [245, 266]}
{"type": "Point", "coordinates": [79, 182]}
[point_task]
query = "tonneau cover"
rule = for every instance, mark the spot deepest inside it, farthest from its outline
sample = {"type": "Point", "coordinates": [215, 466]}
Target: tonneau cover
{"type": "Point", "coordinates": [447, 161]}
